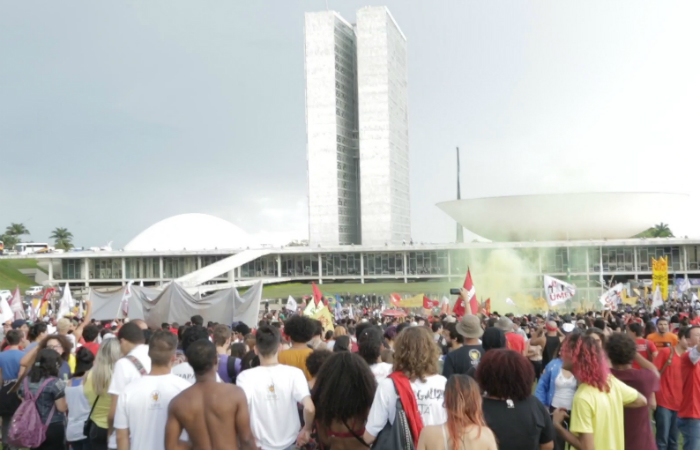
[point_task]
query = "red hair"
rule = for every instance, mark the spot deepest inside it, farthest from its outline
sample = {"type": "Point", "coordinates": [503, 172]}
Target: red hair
{"type": "Point", "coordinates": [463, 405]}
{"type": "Point", "coordinates": [590, 365]}
{"type": "Point", "coordinates": [505, 374]}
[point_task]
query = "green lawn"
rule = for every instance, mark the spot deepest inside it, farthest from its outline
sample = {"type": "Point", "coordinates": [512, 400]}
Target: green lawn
{"type": "Point", "coordinates": [433, 289]}
{"type": "Point", "coordinates": [11, 277]}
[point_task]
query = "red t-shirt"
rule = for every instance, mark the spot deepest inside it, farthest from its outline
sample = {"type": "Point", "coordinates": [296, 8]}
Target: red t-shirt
{"type": "Point", "coordinates": [695, 321]}
{"type": "Point", "coordinates": [638, 432]}
{"type": "Point", "coordinates": [671, 391]}
{"type": "Point", "coordinates": [646, 348]}
{"type": "Point", "coordinates": [515, 342]}
{"type": "Point", "coordinates": [690, 402]}
{"type": "Point", "coordinates": [92, 346]}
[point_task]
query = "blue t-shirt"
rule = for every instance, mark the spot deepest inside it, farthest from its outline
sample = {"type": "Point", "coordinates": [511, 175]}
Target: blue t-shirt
{"type": "Point", "coordinates": [9, 363]}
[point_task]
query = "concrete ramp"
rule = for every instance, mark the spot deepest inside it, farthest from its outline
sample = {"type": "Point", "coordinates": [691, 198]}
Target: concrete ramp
{"type": "Point", "coordinates": [219, 268]}
{"type": "Point", "coordinates": [205, 288]}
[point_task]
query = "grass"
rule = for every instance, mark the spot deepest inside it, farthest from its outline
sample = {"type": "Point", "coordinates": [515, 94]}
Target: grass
{"type": "Point", "coordinates": [11, 277]}
{"type": "Point", "coordinates": [431, 288]}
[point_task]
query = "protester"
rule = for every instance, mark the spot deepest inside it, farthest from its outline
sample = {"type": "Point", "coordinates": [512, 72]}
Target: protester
{"type": "Point", "coordinates": [191, 335]}
{"type": "Point", "coordinates": [37, 333]}
{"type": "Point", "coordinates": [453, 338]}
{"type": "Point", "coordinates": [56, 342]}
{"type": "Point", "coordinates": [142, 410]}
{"type": "Point", "coordinates": [515, 341]}
{"type": "Point", "coordinates": [550, 341]}
{"type": "Point", "coordinates": [663, 337]}
{"type": "Point", "coordinates": [314, 363]}
{"type": "Point", "coordinates": [342, 344]}
{"type": "Point", "coordinates": [622, 350]}
{"type": "Point", "coordinates": [300, 330]}
{"type": "Point", "coordinates": [222, 340]}
{"type": "Point", "coordinates": [78, 406]}
{"type": "Point", "coordinates": [492, 339]}
{"type": "Point", "coordinates": [689, 412]}
{"type": "Point", "coordinates": [370, 349]}
{"type": "Point", "coordinates": [9, 372]}
{"type": "Point", "coordinates": [419, 386]}
{"type": "Point", "coordinates": [556, 389]}
{"type": "Point", "coordinates": [459, 361]}
{"type": "Point", "coordinates": [597, 413]}
{"type": "Point", "coordinates": [518, 419]}
{"type": "Point", "coordinates": [316, 342]}
{"type": "Point", "coordinates": [135, 364]}
{"type": "Point", "coordinates": [96, 387]}
{"type": "Point", "coordinates": [534, 354]}
{"type": "Point", "coordinates": [90, 334]}
{"type": "Point", "coordinates": [465, 428]}
{"type": "Point", "coordinates": [51, 403]}
{"type": "Point", "coordinates": [670, 394]}
{"type": "Point", "coordinates": [273, 391]}
{"type": "Point", "coordinates": [337, 332]}
{"type": "Point", "coordinates": [598, 335]}
{"type": "Point", "coordinates": [342, 396]}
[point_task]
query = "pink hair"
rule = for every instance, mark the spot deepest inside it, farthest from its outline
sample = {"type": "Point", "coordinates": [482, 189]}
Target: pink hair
{"type": "Point", "coordinates": [590, 365]}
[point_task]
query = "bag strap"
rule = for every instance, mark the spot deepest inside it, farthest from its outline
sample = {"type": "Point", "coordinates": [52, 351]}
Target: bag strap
{"type": "Point", "coordinates": [41, 387]}
{"type": "Point", "coordinates": [136, 363]}
{"type": "Point", "coordinates": [93, 406]}
{"type": "Point", "coordinates": [48, 419]}
{"type": "Point", "coordinates": [668, 363]}
{"type": "Point", "coordinates": [231, 368]}
{"type": "Point", "coordinates": [359, 438]}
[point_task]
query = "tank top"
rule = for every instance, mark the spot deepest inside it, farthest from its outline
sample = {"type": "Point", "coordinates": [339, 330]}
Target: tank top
{"type": "Point", "coordinates": [550, 348]}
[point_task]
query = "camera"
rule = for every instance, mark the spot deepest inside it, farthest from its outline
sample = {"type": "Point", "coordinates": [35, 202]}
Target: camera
{"type": "Point", "coordinates": [455, 291]}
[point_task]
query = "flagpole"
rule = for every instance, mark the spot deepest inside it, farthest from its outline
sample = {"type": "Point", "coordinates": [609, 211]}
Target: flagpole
{"type": "Point", "coordinates": [460, 231]}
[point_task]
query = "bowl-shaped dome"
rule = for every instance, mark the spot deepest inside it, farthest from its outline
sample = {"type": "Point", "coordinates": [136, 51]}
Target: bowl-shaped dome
{"type": "Point", "coordinates": [190, 232]}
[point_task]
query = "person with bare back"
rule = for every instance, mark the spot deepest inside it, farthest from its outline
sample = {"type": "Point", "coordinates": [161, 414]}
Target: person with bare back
{"type": "Point", "coordinates": [215, 415]}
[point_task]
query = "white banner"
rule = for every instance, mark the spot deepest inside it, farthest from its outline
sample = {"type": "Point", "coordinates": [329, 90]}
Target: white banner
{"type": "Point", "coordinates": [17, 305]}
{"type": "Point", "coordinates": [612, 298]}
{"type": "Point", "coordinates": [66, 303]}
{"type": "Point", "coordinates": [510, 302]}
{"type": "Point", "coordinates": [558, 292]}
{"type": "Point", "coordinates": [658, 300]}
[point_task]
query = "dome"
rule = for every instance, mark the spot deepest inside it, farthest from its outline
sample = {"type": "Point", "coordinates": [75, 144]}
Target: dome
{"type": "Point", "coordinates": [604, 215]}
{"type": "Point", "coordinates": [190, 232]}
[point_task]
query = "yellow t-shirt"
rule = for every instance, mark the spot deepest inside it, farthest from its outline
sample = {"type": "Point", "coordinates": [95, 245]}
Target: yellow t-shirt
{"type": "Point", "coordinates": [296, 358]}
{"type": "Point", "coordinates": [99, 415]}
{"type": "Point", "coordinates": [601, 413]}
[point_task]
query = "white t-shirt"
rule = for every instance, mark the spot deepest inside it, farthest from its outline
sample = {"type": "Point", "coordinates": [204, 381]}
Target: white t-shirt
{"type": "Point", "coordinates": [143, 409]}
{"type": "Point", "coordinates": [381, 370]}
{"type": "Point", "coordinates": [186, 372]}
{"type": "Point", "coordinates": [273, 393]}
{"type": "Point", "coordinates": [430, 396]}
{"type": "Point", "coordinates": [124, 373]}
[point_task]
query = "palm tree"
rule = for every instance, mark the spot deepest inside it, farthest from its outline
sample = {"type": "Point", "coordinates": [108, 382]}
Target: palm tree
{"type": "Point", "coordinates": [16, 229]}
{"type": "Point", "coordinates": [62, 238]}
{"type": "Point", "coordinates": [662, 230]}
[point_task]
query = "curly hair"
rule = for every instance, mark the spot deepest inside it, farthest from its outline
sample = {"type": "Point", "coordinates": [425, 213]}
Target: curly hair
{"type": "Point", "coordinates": [48, 363]}
{"type": "Point", "coordinates": [299, 329]}
{"type": "Point", "coordinates": [370, 344]}
{"type": "Point", "coordinates": [505, 374]}
{"type": "Point", "coordinates": [416, 354]}
{"type": "Point", "coordinates": [589, 364]}
{"type": "Point", "coordinates": [315, 360]}
{"type": "Point", "coordinates": [598, 332]}
{"type": "Point", "coordinates": [66, 344]}
{"type": "Point", "coordinates": [621, 348]}
{"type": "Point", "coordinates": [344, 390]}
{"type": "Point", "coordinates": [463, 405]}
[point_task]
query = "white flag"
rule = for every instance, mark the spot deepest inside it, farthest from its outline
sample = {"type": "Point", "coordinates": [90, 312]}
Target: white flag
{"type": "Point", "coordinates": [66, 303]}
{"type": "Point", "coordinates": [125, 299]}
{"type": "Point", "coordinates": [658, 300]}
{"type": "Point", "coordinates": [350, 313]}
{"type": "Point", "coordinates": [694, 301]}
{"type": "Point", "coordinates": [612, 298]}
{"type": "Point", "coordinates": [291, 304]}
{"type": "Point", "coordinates": [6, 313]}
{"type": "Point", "coordinates": [16, 304]}
{"type": "Point", "coordinates": [510, 302]}
{"type": "Point", "coordinates": [558, 292]}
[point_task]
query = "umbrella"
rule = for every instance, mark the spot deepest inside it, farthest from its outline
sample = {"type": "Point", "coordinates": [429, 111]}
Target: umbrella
{"type": "Point", "coordinates": [393, 313]}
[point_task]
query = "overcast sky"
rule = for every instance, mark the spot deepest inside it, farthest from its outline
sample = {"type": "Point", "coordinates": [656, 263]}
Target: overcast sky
{"type": "Point", "coordinates": [115, 115]}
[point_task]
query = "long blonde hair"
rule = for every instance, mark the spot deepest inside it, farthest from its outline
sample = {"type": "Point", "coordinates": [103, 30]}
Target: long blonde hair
{"type": "Point", "coordinates": [103, 368]}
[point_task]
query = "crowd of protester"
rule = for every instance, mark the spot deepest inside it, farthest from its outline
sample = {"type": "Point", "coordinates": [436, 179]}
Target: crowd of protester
{"type": "Point", "coordinates": [597, 380]}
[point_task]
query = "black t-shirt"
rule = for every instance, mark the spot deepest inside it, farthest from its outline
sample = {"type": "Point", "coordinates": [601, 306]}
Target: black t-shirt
{"type": "Point", "coordinates": [461, 360]}
{"type": "Point", "coordinates": [550, 349]}
{"type": "Point", "coordinates": [523, 427]}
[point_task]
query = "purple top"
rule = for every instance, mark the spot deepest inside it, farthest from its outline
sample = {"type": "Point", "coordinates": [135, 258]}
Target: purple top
{"type": "Point", "coordinates": [223, 368]}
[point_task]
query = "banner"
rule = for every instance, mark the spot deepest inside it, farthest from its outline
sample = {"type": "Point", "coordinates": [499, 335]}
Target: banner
{"type": "Point", "coordinates": [66, 303]}
{"type": "Point", "coordinates": [312, 308]}
{"type": "Point", "coordinates": [395, 299]}
{"type": "Point", "coordinates": [17, 305]}
{"type": "Point", "coordinates": [612, 298]}
{"type": "Point", "coordinates": [558, 292]}
{"type": "Point", "coordinates": [659, 275]}
{"type": "Point", "coordinates": [657, 299]}
{"type": "Point", "coordinates": [291, 304]}
{"type": "Point", "coordinates": [6, 313]}
{"type": "Point", "coordinates": [412, 302]}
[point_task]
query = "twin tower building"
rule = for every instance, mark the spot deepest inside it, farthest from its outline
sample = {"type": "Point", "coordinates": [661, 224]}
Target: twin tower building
{"type": "Point", "coordinates": [357, 129]}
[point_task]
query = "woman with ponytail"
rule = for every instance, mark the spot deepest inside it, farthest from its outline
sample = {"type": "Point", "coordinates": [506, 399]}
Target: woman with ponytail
{"type": "Point", "coordinates": [465, 428]}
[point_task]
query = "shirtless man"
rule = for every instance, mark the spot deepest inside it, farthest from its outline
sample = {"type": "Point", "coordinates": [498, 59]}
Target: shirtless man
{"type": "Point", "coordinates": [215, 415]}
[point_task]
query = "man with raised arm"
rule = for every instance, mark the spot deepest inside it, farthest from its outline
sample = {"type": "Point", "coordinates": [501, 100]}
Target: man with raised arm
{"type": "Point", "coordinates": [215, 415]}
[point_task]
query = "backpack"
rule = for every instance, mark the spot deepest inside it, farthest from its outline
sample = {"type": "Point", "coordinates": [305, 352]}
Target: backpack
{"type": "Point", "coordinates": [26, 429]}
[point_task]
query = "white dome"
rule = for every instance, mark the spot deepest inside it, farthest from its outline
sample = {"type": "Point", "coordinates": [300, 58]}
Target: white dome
{"type": "Point", "coordinates": [190, 232]}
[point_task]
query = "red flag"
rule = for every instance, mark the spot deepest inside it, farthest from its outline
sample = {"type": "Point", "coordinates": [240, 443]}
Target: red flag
{"type": "Point", "coordinates": [395, 299]}
{"type": "Point", "coordinates": [471, 293]}
{"type": "Point", "coordinates": [317, 293]}
{"type": "Point", "coordinates": [487, 306]}
{"type": "Point", "coordinates": [429, 304]}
